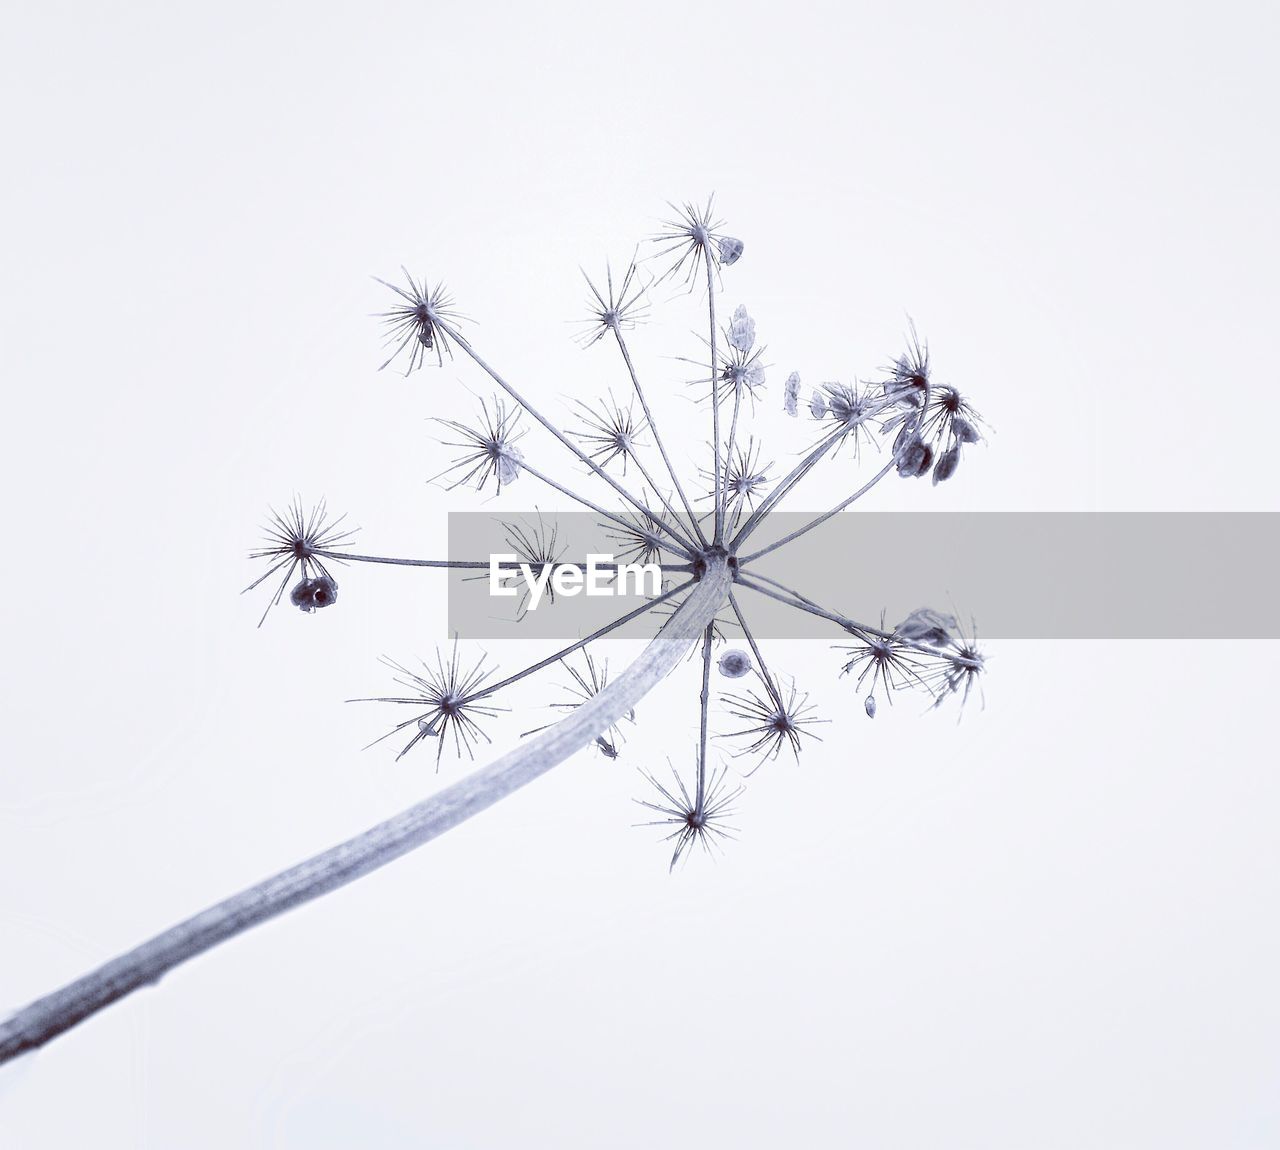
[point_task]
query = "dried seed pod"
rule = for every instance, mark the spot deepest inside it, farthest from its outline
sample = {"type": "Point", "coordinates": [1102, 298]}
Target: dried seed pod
{"type": "Point", "coordinates": [742, 330]}
{"type": "Point", "coordinates": [869, 705]}
{"type": "Point", "coordinates": [791, 394]}
{"type": "Point", "coordinates": [947, 463]}
{"type": "Point", "coordinates": [818, 405]}
{"type": "Point", "coordinates": [925, 625]}
{"type": "Point", "coordinates": [312, 594]}
{"type": "Point", "coordinates": [734, 664]}
{"type": "Point", "coordinates": [964, 431]}
{"type": "Point", "coordinates": [915, 460]}
{"type": "Point", "coordinates": [508, 465]}
{"type": "Point", "coordinates": [730, 250]}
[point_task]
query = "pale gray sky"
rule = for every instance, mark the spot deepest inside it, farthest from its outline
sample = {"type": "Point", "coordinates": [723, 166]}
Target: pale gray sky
{"type": "Point", "coordinates": [1049, 926]}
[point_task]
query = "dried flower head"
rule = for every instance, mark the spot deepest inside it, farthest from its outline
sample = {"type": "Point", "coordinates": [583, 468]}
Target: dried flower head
{"type": "Point", "coordinates": [616, 309]}
{"type": "Point", "coordinates": [610, 431]}
{"type": "Point", "coordinates": [638, 539]}
{"type": "Point", "coordinates": [538, 545]}
{"type": "Point", "coordinates": [883, 662]}
{"type": "Point", "coordinates": [301, 541]}
{"type": "Point", "coordinates": [774, 719]}
{"type": "Point", "coordinates": [745, 479]}
{"type": "Point", "coordinates": [451, 700]}
{"type": "Point", "coordinates": [488, 449]}
{"type": "Point", "coordinates": [415, 325]}
{"type": "Point", "coordinates": [693, 237]}
{"type": "Point", "coordinates": [700, 820]}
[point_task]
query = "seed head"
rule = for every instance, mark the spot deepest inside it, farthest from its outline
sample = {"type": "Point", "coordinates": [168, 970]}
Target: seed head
{"type": "Point", "coordinates": [488, 449]}
{"type": "Point", "coordinates": [692, 821]}
{"type": "Point", "coordinates": [693, 238]}
{"type": "Point", "coordinates": [450, 700]}
{"type": "Point", "coordinates": [415, 325]}
{"type": "Point", "coordinates": [610, 431]}
{"type": "Point", "coordinates": [302, 541]}
{"type": "Point", "coordinates": [615, 309]}
{"type": "Point", "coordinates": [775, 719]}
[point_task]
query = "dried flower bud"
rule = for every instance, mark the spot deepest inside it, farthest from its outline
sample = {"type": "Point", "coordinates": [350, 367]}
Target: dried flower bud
{"type": "Point", "coordinates": [818, 405]}
{"type": "Point", "coordinates": [742, 330]}
{"type": "Point", "coordinates": [430, 724]}
{"type": "Point", "coordinates": [734, 664]}
{"type": "Point", "coordinates": [730, 250]}
{"type": "Point", "coordinates": [314, 593]}
{"type": "Point", "coordinates": [869, 705]}
{"type": "Point", "coordinates": [947, 463]}
{"type": "Point", "coordinates": [791, 394]}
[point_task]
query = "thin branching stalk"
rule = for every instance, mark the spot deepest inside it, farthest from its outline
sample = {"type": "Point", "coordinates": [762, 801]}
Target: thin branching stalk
{"type": "Point", "coordinates": [564, 652]}
{"type": "Point", "coordinates": [677, 542]}
{"type": "Point", "coordinates": [821, 519]}
{"type": "Point", "coordinates": [581, 455]}
{"type": "Point", "coordinates": [783, 486]}
{"type": "Point", "coordinates": [487, 564]}
{"type": "Point", "coordinates": [657, 439]}
{"type": "Point", "coordinates": [715, 404]}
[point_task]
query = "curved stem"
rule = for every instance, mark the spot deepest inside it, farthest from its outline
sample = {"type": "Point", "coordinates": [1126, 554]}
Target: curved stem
{"type": "Point", "coordinates": [48, 1017]}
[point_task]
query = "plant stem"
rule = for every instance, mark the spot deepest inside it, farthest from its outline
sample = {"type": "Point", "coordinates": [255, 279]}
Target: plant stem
{"type": "Point", "coordinates": [564, 440]}
{"type": "Point", "coordinates": [55, 1013]}
{"type": "Point", "coordinates": [715, 397]}
{"type": "Point", "coordinates": [478, 564]}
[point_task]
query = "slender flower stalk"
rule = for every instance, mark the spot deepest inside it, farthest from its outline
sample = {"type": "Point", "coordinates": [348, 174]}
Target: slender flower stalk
{"type": "Point", "coordinates": [651, 423]}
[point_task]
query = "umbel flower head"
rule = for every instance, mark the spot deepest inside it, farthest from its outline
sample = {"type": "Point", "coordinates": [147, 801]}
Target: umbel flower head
{"type": "Point", "coordinates": [488, 449]}
{"type": "Point", "coordinates": [774, 719]}
{"type": "Point", "coordinates": [417, 324]}
{"type": "Point", "coordinates": [610, 431]}
{"type": "Point", "coordinates": [614, 309]}
{"type": "Point", "coordinates": [301, 541]}
{"type": "Point", "coordinates": [449, 700]}
{"type": "Point", "coordinates": [692, 236]}
{"type": "Point", "coordinates": [643, 494]}
{"type": "Point", "coordinates": [697, 820]}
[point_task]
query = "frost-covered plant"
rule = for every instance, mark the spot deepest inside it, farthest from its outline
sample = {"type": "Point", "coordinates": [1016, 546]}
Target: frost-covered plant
{"type": "Point", "coordinates": [919, 427]}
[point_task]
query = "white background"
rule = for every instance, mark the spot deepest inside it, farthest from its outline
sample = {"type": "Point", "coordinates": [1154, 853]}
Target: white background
{"type": "Point", "coordinates": [1052, 925]}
